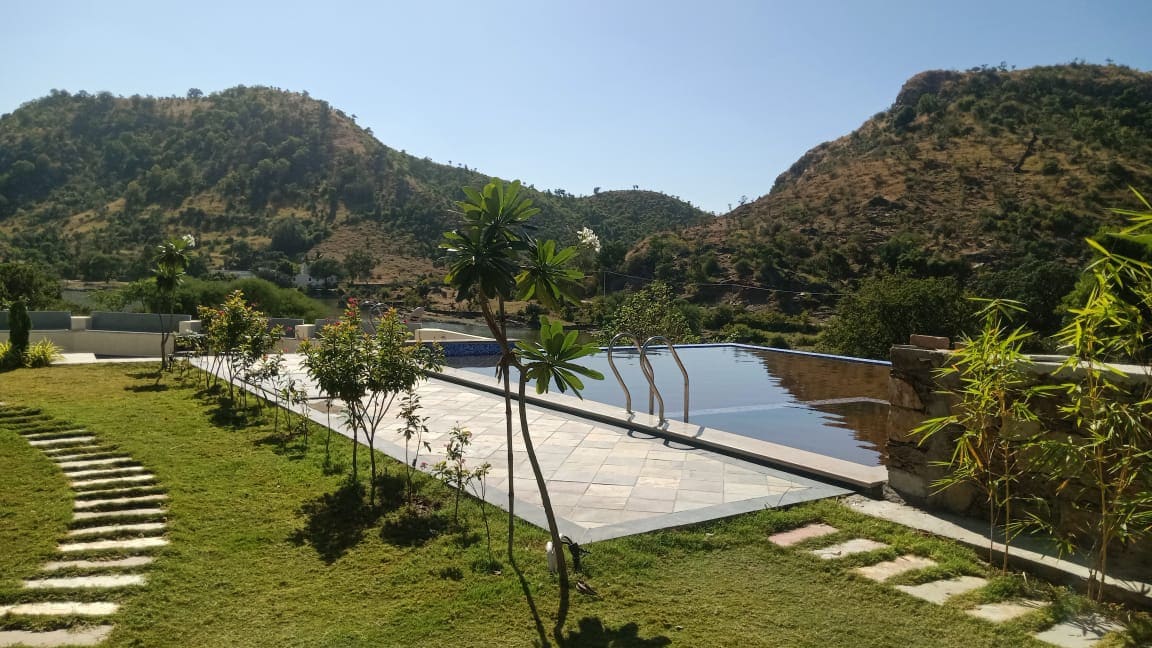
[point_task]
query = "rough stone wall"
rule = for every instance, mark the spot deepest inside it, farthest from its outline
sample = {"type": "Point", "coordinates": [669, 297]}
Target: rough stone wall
{"type": "Point", "coordinates": [916, 394]}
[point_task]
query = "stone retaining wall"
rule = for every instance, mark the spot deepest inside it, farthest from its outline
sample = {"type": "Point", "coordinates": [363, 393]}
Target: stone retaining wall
{"type": "Point", "coordinates": [917, 393]}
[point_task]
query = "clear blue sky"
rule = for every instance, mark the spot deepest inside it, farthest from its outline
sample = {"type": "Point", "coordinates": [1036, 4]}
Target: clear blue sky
{"type": "Point", "coordinates": [708, 101]}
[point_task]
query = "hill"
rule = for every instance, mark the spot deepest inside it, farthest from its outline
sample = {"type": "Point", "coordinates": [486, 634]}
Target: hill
{"type": "Point", "coordinates": [990, 175]}
{"type": "Point", "coordinates": [261, 176]}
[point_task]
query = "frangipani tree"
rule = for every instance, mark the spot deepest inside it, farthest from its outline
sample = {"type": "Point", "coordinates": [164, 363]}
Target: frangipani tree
{"type": "Point", "coordinates": [169, 265]}
{"type": "Point", "coordinates": [492, 260]}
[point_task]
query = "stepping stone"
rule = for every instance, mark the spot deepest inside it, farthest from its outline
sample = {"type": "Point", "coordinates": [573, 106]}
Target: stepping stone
{"type": "Point", "coordinates": [796, 536]}
{"type": "Point", "coordinates": [87, 636]}
{"type": "Point", "coordinates": [942, 590]}
{"type": "Point", "coordinates": [122, 563]}
{"type": "Point", "coordinates": [118, 528]}
{"type": "Point", "coordinates": [101, 545]}
{"type": "Point", "coordinates": [92, 515]}
{"type": "Point", "coordinates": [78, 465]}
{"type": "Point", "coordinates": [140, 499]}
{"type": "Point", "coordinates": [1081, 632]}
{"type": "Point", "coordinates": [854, 546]}
{"type": "Point", "coordinates": [1005, 610]}
{"type": "Point", "coordinates": [887, 569]}
{"type": "Point", "coordinates": [53, 434]}
{"type": "Point", "coordinates": [85, 582]}
{"type": "Point", "coordinates": [88, 483]}
{"type": "Point", "coordinates": [68, 441]}
{"type": "Point", "coordinates": [60, 608]}
{"type": "Point", "coordinates": [97, 472]}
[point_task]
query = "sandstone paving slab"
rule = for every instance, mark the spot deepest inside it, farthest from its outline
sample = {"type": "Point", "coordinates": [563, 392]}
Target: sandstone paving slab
{"type": "Point", "coordinates": [104, 545]}
{"type": "Point", "coordinates": [118, 528]}
{"type": "Point", "coordinates": [54, 434]}
{"type": "Point", "coordinates": [889, 568]}
{"type": "Point", "coordinates": [853, 546]}
{"type": "Point", "coordinates": [795, 536]}
{"type": "Point", "coordinates": [121, 563]}
{"type": "Point", "coordinates": [127, 479]}
{"type": "Point", "coordinates": [86, 582]}
{"type": "Point", "coordinates": [87, 636]}
{"type": "Point", "coordinates": [1005, 610]}
{"type": "Point", "coordinates": [140, 499]}
{"type": "Point", "coordinates": [60, 608]}
{"type": "Point", "coordinates": [1082, 632]}
{"type": "Point", "coordinates": [95, 515]}
{"type": "Point", "coordinates": [80, 464]}
{"type": "Point", "coordinates": [65, 441]}
{"type": "Point", "coordinates": [940, 591]}
{"type": "Point", "coordinates": [111, 470]}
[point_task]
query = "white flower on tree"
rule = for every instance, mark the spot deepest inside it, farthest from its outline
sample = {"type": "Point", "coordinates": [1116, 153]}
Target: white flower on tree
{"type": "Point", "coordinates": [588, 239]}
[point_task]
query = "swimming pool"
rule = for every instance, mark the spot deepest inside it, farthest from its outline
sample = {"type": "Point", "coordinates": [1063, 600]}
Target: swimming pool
{"type": "Point", "coordinates": [824, 404]}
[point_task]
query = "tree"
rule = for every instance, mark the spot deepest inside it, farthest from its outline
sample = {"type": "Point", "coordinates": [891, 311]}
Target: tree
{"type": "Point", "coordinates": [648, 312]}
{"type": "Point", "coordinates": [359, 264]}
{"type": "Point", "coordinates": [886, 309]}
{"type": "Point", "coordinates": [326, 270]}
{"type": "Point", "coordinates": [367, 372]}
{"type": "Point", "coordinates": [492, 259]}
{"type": "Point", "coordinates": [19, 326]}
{"type": "Point", "coordinates": [170, 263]}
{"type": "Point", "coordinates": [31, 283]}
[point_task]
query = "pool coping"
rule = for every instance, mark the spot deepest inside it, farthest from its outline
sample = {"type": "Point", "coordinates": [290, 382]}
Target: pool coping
{"type": "Point", "coordinates": [802, 462]}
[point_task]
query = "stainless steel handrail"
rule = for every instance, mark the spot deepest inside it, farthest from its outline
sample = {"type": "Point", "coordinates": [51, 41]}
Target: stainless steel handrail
{"type": "Point", "coordinates": [612, 364]}
{"type": "Point", "coordinates": [648, 371]}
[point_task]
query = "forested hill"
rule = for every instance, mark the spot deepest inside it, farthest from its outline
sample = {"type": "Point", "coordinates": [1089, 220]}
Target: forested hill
{"type": "Point", "coordinates": [991, 174]}
{"type": "Point", "coordinates": [88, 182]}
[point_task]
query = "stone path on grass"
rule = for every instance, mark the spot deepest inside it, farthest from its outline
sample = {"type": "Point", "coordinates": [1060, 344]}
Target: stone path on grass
{"type": "Point", "coordinates": [1081, 632]}
{"type": "Point", "coordinates": [118, 520]}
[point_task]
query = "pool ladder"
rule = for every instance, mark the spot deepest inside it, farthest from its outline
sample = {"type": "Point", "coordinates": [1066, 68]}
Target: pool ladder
{"type": "Point", "coordinates": [649, 374]}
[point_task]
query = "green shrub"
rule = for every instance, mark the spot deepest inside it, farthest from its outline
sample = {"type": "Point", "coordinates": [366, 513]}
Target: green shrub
{"type": "Point", "coordinates": [41, 354]}
{"type": "Point", "coordinates": [8, 359]}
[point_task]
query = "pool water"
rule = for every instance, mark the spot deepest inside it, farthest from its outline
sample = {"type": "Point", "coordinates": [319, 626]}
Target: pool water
{"type": "Point", "coordinates": [832, 406]}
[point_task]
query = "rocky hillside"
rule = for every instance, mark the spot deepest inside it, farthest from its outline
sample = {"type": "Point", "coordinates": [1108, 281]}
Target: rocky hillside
{"type": "Point", "coordinates": [88, 183]}
{"type": "Point", "coordinates": [988, 174]}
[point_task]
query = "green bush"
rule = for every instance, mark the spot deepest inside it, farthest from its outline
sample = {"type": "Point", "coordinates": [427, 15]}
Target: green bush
{"type": "Point", "coordinates": [41, 354]}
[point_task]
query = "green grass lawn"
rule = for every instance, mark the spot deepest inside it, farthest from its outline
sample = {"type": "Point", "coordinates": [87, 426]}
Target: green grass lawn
{"type": "Point", "coordinates": [264, 552]}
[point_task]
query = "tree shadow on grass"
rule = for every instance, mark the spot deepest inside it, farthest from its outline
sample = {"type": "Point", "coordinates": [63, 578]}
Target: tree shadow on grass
{"type": "Point", "coordinates": [293, 447]}
{"type": "Point", "coordinates": [413, 526]}
{"type": "Point", "coordinates": [336, 522]}
{"type": "Point", "coordinates": [155, 387]}
{"type": "Point", "coordinates": [229, 414]}
{"type": "Point", "coordinates": [592, 633]}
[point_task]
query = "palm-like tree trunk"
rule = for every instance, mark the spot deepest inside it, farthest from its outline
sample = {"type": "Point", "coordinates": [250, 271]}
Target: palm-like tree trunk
{"type": "Point", "coordinates": [546, 504]}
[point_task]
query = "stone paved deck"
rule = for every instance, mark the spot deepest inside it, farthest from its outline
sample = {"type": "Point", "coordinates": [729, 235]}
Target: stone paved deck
{"type": "Point", "coordinates": [604, 481]}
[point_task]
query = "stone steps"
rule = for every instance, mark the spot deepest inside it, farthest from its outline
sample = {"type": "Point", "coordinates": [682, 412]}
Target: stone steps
{"type": "Point", "coordinates": [110, 489]}
{"type": "Point", "coordinates": [1080, 632]}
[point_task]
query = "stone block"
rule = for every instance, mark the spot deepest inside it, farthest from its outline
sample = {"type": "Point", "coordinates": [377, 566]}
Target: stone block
{"type": "Point", "coordinates": [796, 536]}
{"type": "Point", "coordinates": [929, 341]}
